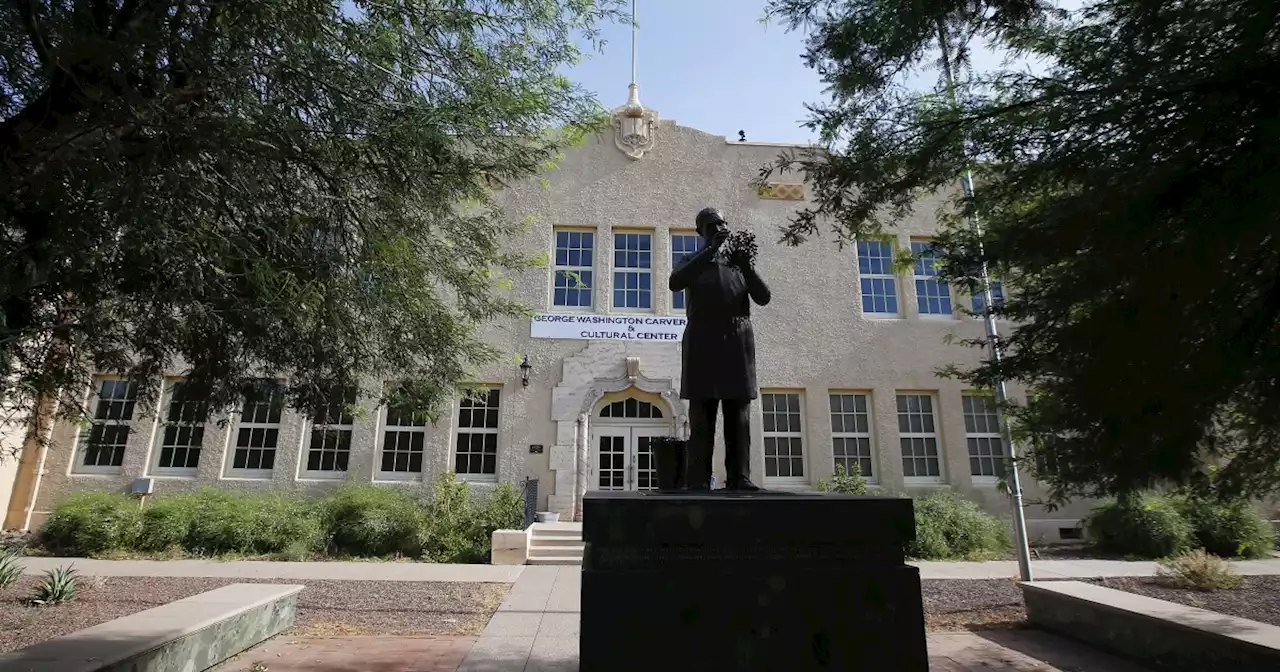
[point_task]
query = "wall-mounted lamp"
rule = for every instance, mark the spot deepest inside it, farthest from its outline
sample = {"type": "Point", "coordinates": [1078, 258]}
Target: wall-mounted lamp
{"type": "Point", "coordinates": [525, 368]}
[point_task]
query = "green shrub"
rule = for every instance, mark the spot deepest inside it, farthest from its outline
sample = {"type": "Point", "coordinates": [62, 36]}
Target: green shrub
{"type": "Point", "coordinates": [373, 521]}
{"type": "Point", "coordinates": [364, 521]}
{"type": "Point", "coordinates": [452, 530]}
{"type": "Point", "coordinates": [502, 509]}
{"type": "Point", "coordinates": [1228, 529]}
{"type": "Point", "coordinates": [166, 522]}
{"type": "Point", "coordinates": [1149, 527]}
{"type": "Point", "coordinates": [91, 523]}
{"type": "Point", "coordinates": [950, 527]}
{"type": "Point", "coordinates": [851, 483]}
{"type": "Point", "coordinates": [253, 524]}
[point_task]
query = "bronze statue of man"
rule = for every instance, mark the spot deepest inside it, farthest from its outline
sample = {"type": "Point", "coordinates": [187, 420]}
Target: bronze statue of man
{"type": "Point", "coordinates": [718, 366]}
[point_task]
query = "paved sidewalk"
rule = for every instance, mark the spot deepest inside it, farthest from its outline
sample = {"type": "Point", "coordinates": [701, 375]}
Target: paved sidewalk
{"type": "Point", "coordinates": [421, 571]}
{"type": "Point", "coordinates": [297, 571]}
{"type": "Point", "coordinates": [536, 629]}
{"type": "Point", "coordinates": [352, 654]}
{"type": "Point", "coordinates": [1070, 569]}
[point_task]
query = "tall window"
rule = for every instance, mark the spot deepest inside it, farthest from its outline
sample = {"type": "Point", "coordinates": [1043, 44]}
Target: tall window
{"type": "Point", "coordinates": [574, 269]}
{"type": "Point", "coordinates": [783, 436]}
{"type": "Point", "coordinates": [107, 435]}
{"type": "Point", "coordinates": [879, 284]}
{"type": "Point", "coordinates": [633, 271]}
{"type": "Point", "coordinates": [182, 433]}
{"type": "Point", "coordinates": [997, 298]}
{"type": "Point", "coordinates": [403, 442]}
{"type": "Point", "coordinates": [476, 451]}
{"type": "Point", "coordinates": [918, 435]}
{"type": "Point", "coordinates": [329, 452]}
{"type": "Point", "coordinates": [933, 297]}
{"type": "Point", "coordinates": [258, 433]}
{"type": "Point", "coordinates": [982, 435]}
{"type": "Point", "coordinates": [851, 434]}
{"type": "Point", "coordinates": [683, 246]}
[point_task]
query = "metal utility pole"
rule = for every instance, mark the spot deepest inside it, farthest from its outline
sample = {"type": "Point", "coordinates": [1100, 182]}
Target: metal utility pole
{"type": "Point", "coordinates": [993, 343]}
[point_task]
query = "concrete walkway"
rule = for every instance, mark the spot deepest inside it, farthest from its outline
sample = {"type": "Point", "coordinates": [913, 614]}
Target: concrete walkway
{"type": "Point", "coordinates": [421, 571]}
{"type": "Point", "coordinates": [536, 629]}
{"type": "Point", "coordinates": [297, 571]}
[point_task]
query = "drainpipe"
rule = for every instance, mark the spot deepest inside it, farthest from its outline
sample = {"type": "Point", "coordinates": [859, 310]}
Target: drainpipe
{"type": "Point", "coordinates": [583, 473]}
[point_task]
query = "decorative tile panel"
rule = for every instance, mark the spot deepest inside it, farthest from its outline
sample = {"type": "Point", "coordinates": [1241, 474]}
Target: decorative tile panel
{"type": "Point", "coordinates": [782, 192]}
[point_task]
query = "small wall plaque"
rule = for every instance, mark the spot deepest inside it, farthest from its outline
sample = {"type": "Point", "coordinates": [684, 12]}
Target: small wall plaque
{"type": "Point", "coordinates": [535, 448]}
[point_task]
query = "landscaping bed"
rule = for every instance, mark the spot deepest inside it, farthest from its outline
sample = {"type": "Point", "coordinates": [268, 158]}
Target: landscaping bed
{"type": "Point", "coordinates": [972, 604]}
{"type": "Point", "coordinates": [325, 608]}
{"type": "Point", "coordinates": [1258, 599]}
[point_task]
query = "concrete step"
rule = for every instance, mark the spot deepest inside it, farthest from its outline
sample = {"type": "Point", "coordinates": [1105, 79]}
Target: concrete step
{"type": "Point", "coordinates": [558, 527]}
{"type": "Point", "coordinates": [555, 560]}
{"type": "Point", "coordinates": [555, 541]}
{"type": "Point", "coordinates": [555, 551]}
{"type": "Point", "coordinates": [544, 532]}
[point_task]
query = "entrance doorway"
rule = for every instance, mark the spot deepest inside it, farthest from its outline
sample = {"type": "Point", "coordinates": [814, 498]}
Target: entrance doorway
{"type": "Point", "coordinates": [622, 455]}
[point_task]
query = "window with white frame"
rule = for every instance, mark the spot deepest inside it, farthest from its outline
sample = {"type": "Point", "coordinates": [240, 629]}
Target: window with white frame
{"type": "Point", "coordinates": [876, 275]}
{"type": "Point", "coordinates": [182, 432]}
{"type": "Point", "coordinates": [918, 436]}
{"type": "Point", "coordinates": [574, 269]}
{"type": "Point", "coordinates": [329, 450]}
{"type": "Point", "coordinates": [997, 298]}
{"type": "Point", "coordinates": [258, 431]}
{"type": "Point", "coordinates": [104, 441]}
{"type": "Point", "coordinates": [683, 246]}
{"type": "Point", "coordinates": [783, 436]}
{"type": "Point", "coordinates": [476, 448]}
{"type": "Point", "coordinates": [851, 433]}
{"type": "Point", "coordinates": [633, 271]}
{"type": "Point", "coordinates": [933, 297]}
{"type": "Point", "coordinates": [404, 440]}
{"type": "Point", "coordinates": [982, 435]}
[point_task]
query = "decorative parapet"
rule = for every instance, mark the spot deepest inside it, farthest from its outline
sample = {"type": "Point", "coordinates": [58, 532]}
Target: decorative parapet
{"type": "Point", "coordinates": [634, 126]}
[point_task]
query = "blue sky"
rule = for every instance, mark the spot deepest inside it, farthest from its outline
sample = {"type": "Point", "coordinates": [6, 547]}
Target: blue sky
{"type": "Point", "coordinates": [711, 65]}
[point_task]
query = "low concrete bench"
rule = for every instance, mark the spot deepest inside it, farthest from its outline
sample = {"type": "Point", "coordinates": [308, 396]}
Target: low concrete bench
{"type": "Point", "coordinates": [1163, 635]}
{"type": "Point", "coordinates": [188, 635]}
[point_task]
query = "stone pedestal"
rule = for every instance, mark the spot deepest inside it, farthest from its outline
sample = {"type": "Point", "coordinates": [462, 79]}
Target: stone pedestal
{"type": "Point", "coordinates": [759, 582]}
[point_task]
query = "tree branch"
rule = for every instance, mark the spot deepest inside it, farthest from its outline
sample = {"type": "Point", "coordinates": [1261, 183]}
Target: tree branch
{"type": "Point", "coordinates": [26, 10]}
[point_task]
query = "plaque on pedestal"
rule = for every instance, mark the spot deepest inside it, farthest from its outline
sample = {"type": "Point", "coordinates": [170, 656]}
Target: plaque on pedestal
{"type": "Point", "coordinates": [762, 581]}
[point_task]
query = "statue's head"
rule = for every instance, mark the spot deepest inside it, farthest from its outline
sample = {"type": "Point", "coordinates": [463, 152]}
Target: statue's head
{"type": "Point", "coordinates": [709, 221]}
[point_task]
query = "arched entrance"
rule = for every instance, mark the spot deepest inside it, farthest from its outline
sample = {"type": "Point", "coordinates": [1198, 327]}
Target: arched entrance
{"type": "Point", "coordinates": [622, 426]}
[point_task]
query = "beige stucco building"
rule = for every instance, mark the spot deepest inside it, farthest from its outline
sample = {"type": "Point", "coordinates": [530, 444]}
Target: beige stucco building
{"type": "Point", "coordinates": [847, 352]}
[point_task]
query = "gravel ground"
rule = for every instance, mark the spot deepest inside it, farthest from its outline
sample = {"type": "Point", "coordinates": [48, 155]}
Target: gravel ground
{"type": "Point", "coordinates": [972, 604]}
{"type": "Point", "coordinates": [1257, 600]}
{"type": "Point", "coordinates": [350, 608]}
{"type": "Point", "coordinates": [326, 608]}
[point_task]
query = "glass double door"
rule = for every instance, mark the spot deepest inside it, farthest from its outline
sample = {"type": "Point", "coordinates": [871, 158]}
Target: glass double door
{"type": "Point", "coordinates": [623, 457]}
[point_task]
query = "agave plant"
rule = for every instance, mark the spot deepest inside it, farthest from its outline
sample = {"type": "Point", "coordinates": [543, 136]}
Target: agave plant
{"type": "Point", "coordinates": [10, 569]}
{"type": "Point", "coordinates": [58, 586]}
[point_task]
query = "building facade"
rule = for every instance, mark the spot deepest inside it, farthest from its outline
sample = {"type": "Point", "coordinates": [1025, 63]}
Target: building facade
{"type": "Point", "coordinates": [847, 353]}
